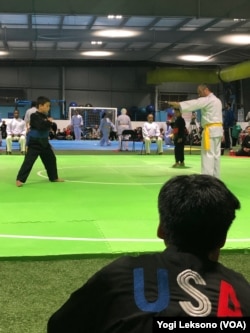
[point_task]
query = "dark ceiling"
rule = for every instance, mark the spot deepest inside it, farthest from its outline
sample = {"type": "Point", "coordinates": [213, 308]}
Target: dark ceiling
{"type": "Point", "coordinates": [164, 31]}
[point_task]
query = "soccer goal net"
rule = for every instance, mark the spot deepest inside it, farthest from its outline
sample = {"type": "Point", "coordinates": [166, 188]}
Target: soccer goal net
{"type": "Point", "coordinates": [92, 117]}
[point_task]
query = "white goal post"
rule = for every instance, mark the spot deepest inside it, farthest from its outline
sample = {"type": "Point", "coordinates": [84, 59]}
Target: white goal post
{"type": "Point", "coordinates": [92, 115]}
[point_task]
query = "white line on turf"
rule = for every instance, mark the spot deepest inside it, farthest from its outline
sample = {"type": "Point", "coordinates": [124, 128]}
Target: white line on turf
{"type": "Point", "coordinates": [40, 174]}
{"type": "Point", "coordinates": [85, 239]}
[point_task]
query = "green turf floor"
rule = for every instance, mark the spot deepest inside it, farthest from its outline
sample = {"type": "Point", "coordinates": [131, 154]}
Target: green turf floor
{"type": "Point", "coordinates": [108, 204]}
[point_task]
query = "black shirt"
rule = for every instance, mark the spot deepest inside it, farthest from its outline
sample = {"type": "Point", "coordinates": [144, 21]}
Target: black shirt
{"type": "Point", "coordinates": [179, 129]}
{"type": "Point", "coordinates": [125, 295]}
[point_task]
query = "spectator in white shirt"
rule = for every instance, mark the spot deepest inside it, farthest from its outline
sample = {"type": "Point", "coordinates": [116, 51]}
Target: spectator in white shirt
{"type": "Point", "coordinates": [151, 133]}
{"type": "Point", "coordinates": [16, 131]}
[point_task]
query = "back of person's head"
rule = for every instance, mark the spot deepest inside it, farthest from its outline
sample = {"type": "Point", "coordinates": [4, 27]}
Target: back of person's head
{"type": "Point", "coordinates": [196, 212]}
{"type": "Point", "coordinates": [206, 85]}
{"type": "Point", "coordinates": [33, 104]}
{"type": "Point", "coordinates": [123, 111]}
{"type": "Point", "coordinates": [41, 100]}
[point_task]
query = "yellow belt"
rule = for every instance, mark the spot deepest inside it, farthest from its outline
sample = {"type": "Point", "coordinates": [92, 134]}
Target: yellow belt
{"type": "Point", "coordinates": [206, 137]}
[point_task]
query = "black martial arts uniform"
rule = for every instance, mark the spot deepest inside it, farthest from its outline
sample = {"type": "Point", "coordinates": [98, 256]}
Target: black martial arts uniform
{"type": "Point", "coordinates": [179, 131]}
{"type": "Point", "coordinates": [38, 145]}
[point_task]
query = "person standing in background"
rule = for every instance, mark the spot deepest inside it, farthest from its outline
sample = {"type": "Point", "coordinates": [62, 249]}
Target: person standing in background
{"type": "Point", "coordinates": [211, 122]}
{"type": "Point", "coordinates": [228, 123]}
{"type": "Point", "coordinates": [123, 122]}
{"type": "Point", "coordinates": [236, 130]}
{"type": "Point", "coordinates": [179, 133]}
{"type": "Point", "coordinates": [29, 112]}
{"type": "Point", "coordinates": [248, 117]}
{"type": "Point", "coordinates": [3, 129]}
{"type": "Point", "coordinates": [105, 128]}
{"type": "Point", "coordinates": [77, 124]}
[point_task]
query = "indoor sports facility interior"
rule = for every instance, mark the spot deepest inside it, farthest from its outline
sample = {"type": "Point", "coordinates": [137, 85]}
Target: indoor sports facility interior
{"type": "Point", "coordinates": [119, 55]}
{"type": "Point", "coordinates": [95, 57]}
{"type": "Point", "coordinates": [107, 205]}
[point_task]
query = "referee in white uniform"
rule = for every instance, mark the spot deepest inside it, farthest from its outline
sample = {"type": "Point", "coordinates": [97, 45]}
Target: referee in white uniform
{"type": "Point", "coordinates": [211, 122]}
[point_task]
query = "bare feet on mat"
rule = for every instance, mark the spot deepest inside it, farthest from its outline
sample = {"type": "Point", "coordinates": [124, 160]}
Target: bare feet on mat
{"type": "Point", "coordinates": [19, 183]}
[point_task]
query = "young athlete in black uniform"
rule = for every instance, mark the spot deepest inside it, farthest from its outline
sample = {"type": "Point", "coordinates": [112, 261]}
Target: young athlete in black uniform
{"type": "Point", "coordinates": [38, 144]}
{"type": "Point", "coordinates": [179, 138]}
{"type": "Point", "coordinates": [184, 280]}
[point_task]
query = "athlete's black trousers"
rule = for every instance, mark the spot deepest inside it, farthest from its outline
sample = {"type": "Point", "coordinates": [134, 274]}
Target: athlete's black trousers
{"type": "Point", "coordinates": [48, 159]}
{"type": "Point", "coordinates": [179, 152]}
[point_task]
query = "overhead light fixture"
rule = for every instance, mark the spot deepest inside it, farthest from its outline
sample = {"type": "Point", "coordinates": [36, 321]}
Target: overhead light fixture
{"type": "Point", "coordinates": [239, 20]}
{"type": "Point", "coordinates": [116, 33]}
{"type": "Point", "coordinates": [97, 53]}
{"type": "Point", "coordinates": [239, 39]}
{"type": "Point", "coordinates": [98, 42]}
{"type": "Point", "coordinates": [116, 17]}
{"type": "Point", "coordinates": [194, 57]}
{"type": "Point", "coordinates": [2, 53]}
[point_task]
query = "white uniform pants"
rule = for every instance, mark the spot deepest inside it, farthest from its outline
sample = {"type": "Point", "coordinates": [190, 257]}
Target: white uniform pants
{"type": "Point", "coordinates": [210, 159]}
{"type": "Point", "coordinates": [148, 142]}
{"type": "Point", "coordinates": [21, 139]}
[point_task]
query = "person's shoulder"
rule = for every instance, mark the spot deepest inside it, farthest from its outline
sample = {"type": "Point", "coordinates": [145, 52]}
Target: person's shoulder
{"type": "Point", "coordinates": [130, 261]}
{"type": "Point", "coordinates": [35, 114]}
{"type": "Point", "coordinates": [233, 276]}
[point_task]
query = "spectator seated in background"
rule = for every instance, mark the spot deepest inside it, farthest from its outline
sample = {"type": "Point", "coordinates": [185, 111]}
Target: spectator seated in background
{"type": "Point", "coordinates": [245, 145]}
{"type": "Point", "coordinates": [60, 135]}
{"type": "Point", "coordinates": [87, 135]}
{"type": "Point", "coordinates": [113, 134]}
{"type": "Point", "coordinates": [69, 134]}
{"type": "Point", "coordinates": [184, 280]}
{"type": "Point", "coordinates": [151, 133]}
{"type": "Point", "coordinates": [53, 131]}
{"type": "Point", "coordinates": [168, 134]}
{"type": "Point", "coordinates": [95, 133]}
{"type": "Point", "coordinates": [138, 134]}
{"type": "Point", "coordinates": [16, 131]}
{"type": "Point", "coordinates": [3, 129]}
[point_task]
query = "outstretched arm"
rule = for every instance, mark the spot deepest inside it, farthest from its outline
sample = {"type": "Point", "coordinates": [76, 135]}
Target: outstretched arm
{"type": "Point", "coordinates": [175, 105]}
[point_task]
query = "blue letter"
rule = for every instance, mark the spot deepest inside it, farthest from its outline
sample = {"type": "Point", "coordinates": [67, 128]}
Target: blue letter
{"type": "Point", "coordinates": [163, 291]}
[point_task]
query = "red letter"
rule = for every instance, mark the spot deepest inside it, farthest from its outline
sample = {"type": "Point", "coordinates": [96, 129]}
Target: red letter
{"type": "Point", "coordinates": [228, 306]}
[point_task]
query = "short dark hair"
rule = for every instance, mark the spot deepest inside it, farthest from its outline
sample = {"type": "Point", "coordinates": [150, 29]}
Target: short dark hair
{"type": "Point", "coordinates": [206, 85]}
{"type": "Point", "coordinates": [41, 100]}
{"type": "Point", "coordinates": [196, 212]}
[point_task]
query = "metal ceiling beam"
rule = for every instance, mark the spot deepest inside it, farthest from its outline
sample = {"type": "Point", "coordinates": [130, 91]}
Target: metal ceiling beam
{"type": "Point", "coordinates": [195, 75]}
{"type": "Point", "coordinates": [164, 8]}
{"type": "Point", "coordinates": [176, 37]}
